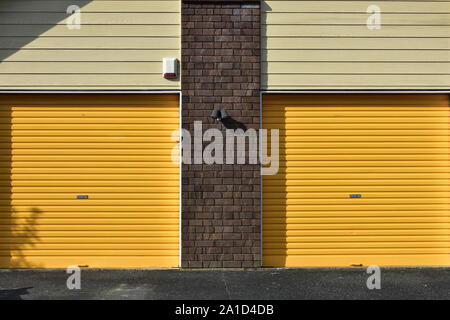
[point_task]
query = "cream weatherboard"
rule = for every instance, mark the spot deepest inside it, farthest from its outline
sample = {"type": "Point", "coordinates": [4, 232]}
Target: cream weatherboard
{"type": "Point", "coordinates": [120, 44]}
{"type": "Point", "coordinates": [327, 45]}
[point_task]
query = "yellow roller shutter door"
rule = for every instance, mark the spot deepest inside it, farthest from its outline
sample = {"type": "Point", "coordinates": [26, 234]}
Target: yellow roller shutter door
{"type": "Point", "coordinates": [88, 180]}
{"type": "Point", "coordinates": [363, 179]}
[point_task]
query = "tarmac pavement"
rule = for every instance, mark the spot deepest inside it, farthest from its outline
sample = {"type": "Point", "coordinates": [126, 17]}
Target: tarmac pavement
{"type": "Point", "coordinates": [259, 284]}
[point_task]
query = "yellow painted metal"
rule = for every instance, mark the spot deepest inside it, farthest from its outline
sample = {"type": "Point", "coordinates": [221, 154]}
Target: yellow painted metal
{"type": "Point", "coordinates": [116, 149]}
{"type": "Point", "coordinates": [392, 150]}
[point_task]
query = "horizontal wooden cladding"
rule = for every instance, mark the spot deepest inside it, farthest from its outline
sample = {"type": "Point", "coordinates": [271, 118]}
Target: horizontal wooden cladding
{"type": "Point", "coordinates": [86, 55]}
{"type": "Point", "coordinates": [79, 68]}
{"type": "Point", "coordinates": [295, 32]}
{"type": "Point", "coordinates": [91, 6]}
{"type": "Point", "coordinates": [342, 54]}
{"type": "Point", "coordinates": [89, 18]}
{"type": "Point", "coordinates": [355, 6]}
{"type": "Point", "coordinates": [313, 36]}
{"type": "Point", "coordinates": [132, 36]}
{"type": "Point", "coordinates": [363, 179]}
{"type": "Point", "coordinates": [347, 81]}
{"type": "Point", "coordinates": [335, 18]}
{"type": "Point", "coordinates": [361, 67]}
{"type": "Point", "coordinates": [116, 30]}
{"type": "Point", "coordinates": [358, 43]}
{"type": "Point", "coordinates": [23, 43]}
{"type": "Point", "coordinates": [115, 151]}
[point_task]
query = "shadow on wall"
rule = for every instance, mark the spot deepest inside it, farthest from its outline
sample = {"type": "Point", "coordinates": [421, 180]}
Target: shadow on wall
{"type": "Point", "coordinates": [18, 228]}
{"type": "Point", "coordinates": [275, 198]}
{"type": "Point", "coordinates": [22, 22]}
{"type": "Point", "coordinates": [230, 123]}
{"type": "Point", "coordinates": [264, 65]}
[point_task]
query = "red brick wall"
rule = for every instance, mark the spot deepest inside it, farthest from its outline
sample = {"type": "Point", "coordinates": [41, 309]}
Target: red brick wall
{"type": "Point", "coordinates": [221, 204]}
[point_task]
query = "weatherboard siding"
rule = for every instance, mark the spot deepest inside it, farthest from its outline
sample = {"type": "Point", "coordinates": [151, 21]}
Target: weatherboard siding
{"type": "Point", "coordinates": [120, 44]}
{"type": "Point", "coordinates": [327, 45]}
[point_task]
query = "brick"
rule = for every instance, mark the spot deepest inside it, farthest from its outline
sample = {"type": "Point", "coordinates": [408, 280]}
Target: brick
{"type": "Point", "coordinates": [232, 264]}
{"type": "Point", "coordinates": [221, 69]}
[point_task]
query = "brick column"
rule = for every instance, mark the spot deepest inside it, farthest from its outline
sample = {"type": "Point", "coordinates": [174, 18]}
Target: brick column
{"type": "Point", "coordinates": [221, 204]}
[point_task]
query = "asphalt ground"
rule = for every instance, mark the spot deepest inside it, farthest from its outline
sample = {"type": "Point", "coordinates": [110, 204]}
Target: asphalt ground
{"type": "Point", "coordinates": [258, 284]}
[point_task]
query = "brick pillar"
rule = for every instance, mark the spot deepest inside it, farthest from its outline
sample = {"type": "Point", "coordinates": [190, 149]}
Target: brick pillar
{"type": "Point", "coordinates": [221, 204]}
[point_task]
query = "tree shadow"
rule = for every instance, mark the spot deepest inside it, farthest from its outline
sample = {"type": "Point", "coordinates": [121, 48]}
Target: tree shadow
{"type": "Point", "coordinates": [14, 294]}
{"type": "Point", "coordinates": [18, 228]}
{"type": "Point", "coordinates": [275, 195]}
{"type": "Point", "coordinates": [23, 22]}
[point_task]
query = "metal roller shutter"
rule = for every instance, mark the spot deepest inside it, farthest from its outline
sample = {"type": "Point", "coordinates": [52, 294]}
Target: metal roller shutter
{"type": "Point", "coordinates": [363, 179]}
{"type": "Point", "coordinates": [88, 180]}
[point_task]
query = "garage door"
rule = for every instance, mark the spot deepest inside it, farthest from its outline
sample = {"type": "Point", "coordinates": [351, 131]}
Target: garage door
{"type": "Point", "coordinates": [363, 179]}
{"type": "Point", "coordinates": [88, 180]}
